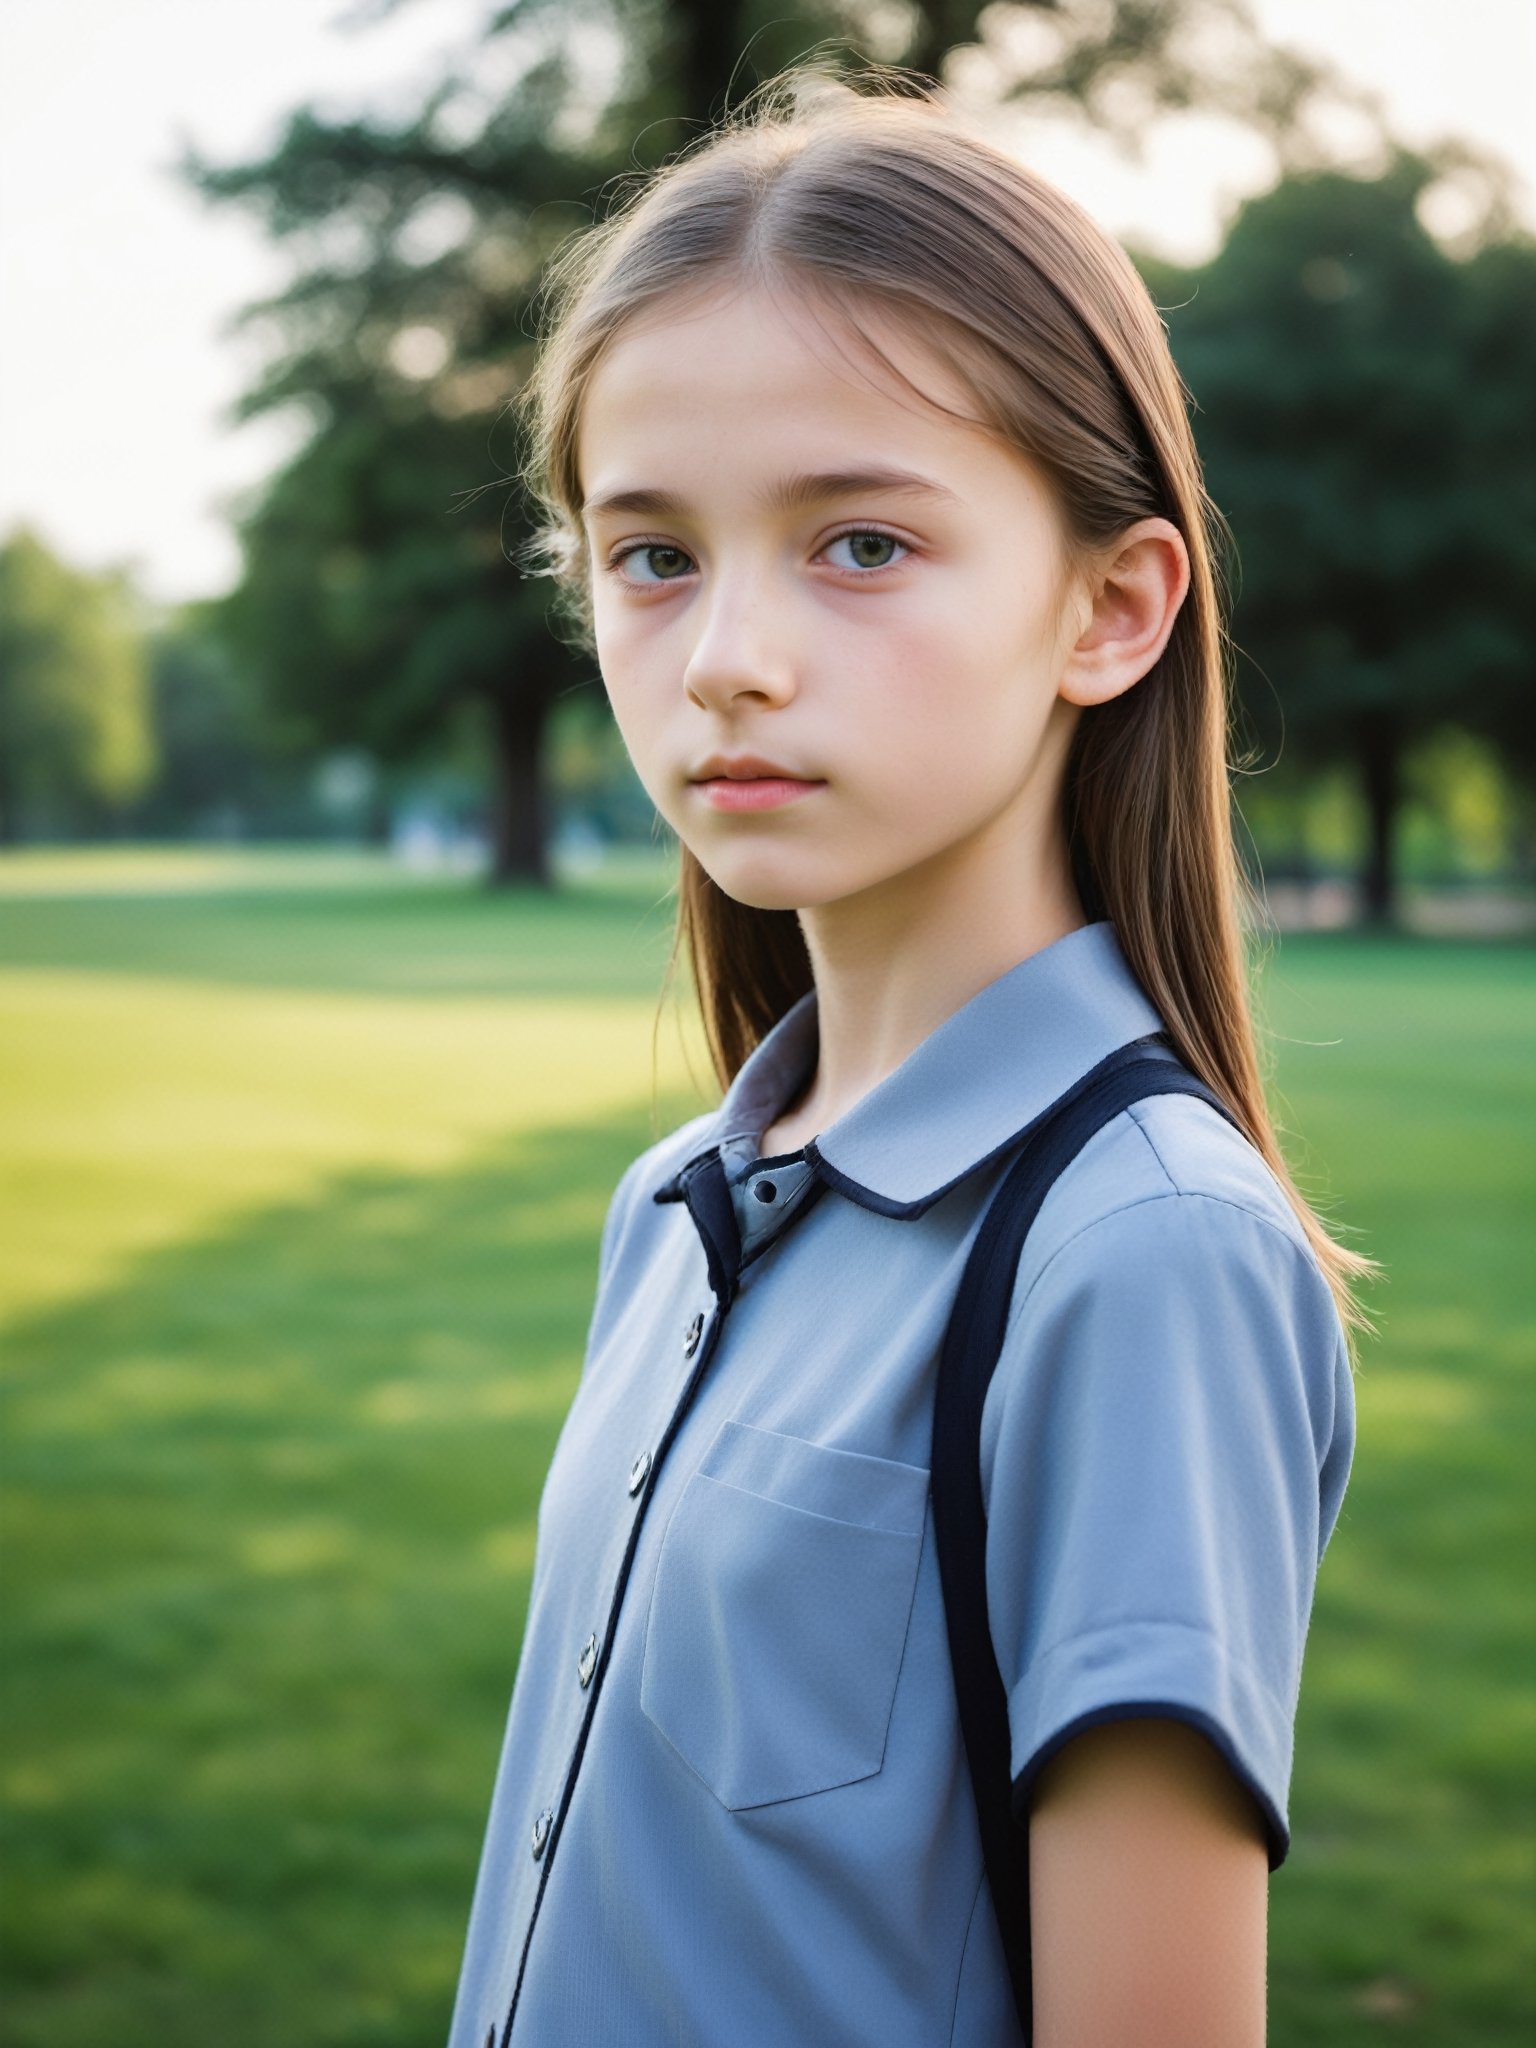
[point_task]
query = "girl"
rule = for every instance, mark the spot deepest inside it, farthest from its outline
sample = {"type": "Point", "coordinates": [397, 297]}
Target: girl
{"type": "Point", "coordinates": [869, 472]}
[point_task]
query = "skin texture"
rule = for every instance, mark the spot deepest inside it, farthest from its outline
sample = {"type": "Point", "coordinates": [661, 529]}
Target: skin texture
{"type": "Point", "coordinates": [926, 658]}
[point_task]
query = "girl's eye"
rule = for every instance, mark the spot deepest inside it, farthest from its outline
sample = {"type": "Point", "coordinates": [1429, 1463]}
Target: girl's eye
{"type": "Point", "coordinates": [647, 550]}
{"type": "Point", "coordinates": [667, 563]}
{"type": "Point", "coordinates": [863, 541]}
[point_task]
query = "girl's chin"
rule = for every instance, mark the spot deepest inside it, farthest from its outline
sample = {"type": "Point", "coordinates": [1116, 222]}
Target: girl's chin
{"type": "Point", "coordinates": [799, 885]}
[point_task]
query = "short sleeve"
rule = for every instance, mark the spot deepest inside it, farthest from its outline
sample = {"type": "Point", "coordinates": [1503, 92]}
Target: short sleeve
{"type": "Point", "coordinates": [1166, 1442]}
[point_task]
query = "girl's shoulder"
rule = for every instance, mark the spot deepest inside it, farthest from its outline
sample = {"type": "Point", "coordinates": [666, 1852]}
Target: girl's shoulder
{"type": "Point", "coordinates": [1170, 1212]}
{"type": "Point", "coordinates": [1168, 1149]}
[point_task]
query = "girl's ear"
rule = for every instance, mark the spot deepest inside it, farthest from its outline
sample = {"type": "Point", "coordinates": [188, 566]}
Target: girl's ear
{"type": "Point", "coordinates": [1132, 597]}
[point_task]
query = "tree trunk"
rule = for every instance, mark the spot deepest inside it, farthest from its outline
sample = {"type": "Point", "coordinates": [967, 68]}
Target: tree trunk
{"type": "Point", "coordinates": [713, 41]}
{"type": "Point", "coordinates": [519, 817]}
{"type": "Point", "coordinates": [1378, 742]}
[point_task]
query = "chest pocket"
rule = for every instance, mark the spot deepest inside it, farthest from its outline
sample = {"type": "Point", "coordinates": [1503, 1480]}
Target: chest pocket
{"type": "Point", "coordinates": [779, 1614]}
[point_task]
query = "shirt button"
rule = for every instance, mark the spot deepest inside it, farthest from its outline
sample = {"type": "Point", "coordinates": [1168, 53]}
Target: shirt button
{"type": "Point", "coordinates": [764, 1190]}
{"type": "Point", "coordinates": [691, 1341]}
{"type": "Point", "coordinates": [638, 1470]}
{"type": "Point", "coordinates": [588, 1664]}
{"type": "Point", "coordinates": [541, 1828]}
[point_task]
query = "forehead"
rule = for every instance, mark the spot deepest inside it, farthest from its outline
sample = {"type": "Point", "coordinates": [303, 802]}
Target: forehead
{"type": "Point", "coordinates": [748, 374]}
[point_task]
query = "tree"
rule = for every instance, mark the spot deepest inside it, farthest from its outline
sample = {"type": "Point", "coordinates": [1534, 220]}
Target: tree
{"type": "Point", "coordinates": [1366, 419]}
{"type": "Point", "coordinates": [215, 751]}
{"type": "Point", "coordinates": [377, 598]}
{"type": "Point", "coordinates": [75, 738]}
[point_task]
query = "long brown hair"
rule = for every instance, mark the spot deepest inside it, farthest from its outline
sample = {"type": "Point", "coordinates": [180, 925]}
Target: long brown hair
{"type": "Point", "coordinates": [877, 194]}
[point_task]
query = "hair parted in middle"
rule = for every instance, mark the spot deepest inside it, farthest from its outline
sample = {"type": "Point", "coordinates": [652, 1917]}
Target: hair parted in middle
{"type": "Point", "coordinates": [867, 195]}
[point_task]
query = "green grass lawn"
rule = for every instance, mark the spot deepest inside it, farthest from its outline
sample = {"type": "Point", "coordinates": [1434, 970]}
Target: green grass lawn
{"type": "Point", "coordinates": [301, 1176]}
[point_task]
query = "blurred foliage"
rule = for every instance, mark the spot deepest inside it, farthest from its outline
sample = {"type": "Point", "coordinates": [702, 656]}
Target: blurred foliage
{"type": "Point", "coordinates": [1465, 814]}
{"type": "Point", "coordinates": [1367, 417]}
{"type": "Point", "coordinates": [376, 597]}
{"type": "Point", "coordinates": [211, 732]}
{"type": "Point", "coordinates": [75, 726]}
{"type": "Point", "coordinates": [1363, 408]}
{"type": "Point", "coordinates": [1465, 818]}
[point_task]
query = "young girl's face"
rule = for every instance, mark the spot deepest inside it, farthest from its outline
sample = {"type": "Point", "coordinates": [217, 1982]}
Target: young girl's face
{"type": "Point", "coordinates": [900, 643]}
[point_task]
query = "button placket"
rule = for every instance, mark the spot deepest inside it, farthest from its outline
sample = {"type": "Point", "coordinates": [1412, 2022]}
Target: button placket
{"type": "Point", "coordinates": [640, 1471]}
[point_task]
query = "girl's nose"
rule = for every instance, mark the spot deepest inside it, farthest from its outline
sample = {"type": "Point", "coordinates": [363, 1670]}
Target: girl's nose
{"type": "Point", "coordinates": [740, 651]}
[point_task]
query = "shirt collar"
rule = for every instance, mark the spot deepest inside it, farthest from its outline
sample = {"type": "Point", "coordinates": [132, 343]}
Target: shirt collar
{"type": "Point", "coordinates": [973, 1086]}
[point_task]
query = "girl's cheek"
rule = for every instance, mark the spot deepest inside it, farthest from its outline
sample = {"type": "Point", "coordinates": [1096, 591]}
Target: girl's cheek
{"type": "Point", "coordinates": [633, 650]}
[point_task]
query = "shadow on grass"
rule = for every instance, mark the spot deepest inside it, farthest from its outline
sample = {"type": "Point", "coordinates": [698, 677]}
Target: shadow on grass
{"type": "Point", "coordinates": [271, 1516]}
{"type": "Point", "coordinates": [271, 1513]}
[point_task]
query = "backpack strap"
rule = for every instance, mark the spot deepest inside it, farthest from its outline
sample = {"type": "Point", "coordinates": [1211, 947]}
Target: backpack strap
{"type": "Point", "coordinates": [973, 1341]}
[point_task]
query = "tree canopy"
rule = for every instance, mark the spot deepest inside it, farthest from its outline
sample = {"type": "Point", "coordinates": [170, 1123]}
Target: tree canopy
{"type": "Point", "coordinates": [75, 732]}
{"type": "Point", "coordinates": [1366, 412]}
{"type": "Point", "coordinates": [377, 599]}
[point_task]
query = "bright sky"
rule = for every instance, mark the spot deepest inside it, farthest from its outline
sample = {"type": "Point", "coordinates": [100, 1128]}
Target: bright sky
{"type": "Point", "coordinates": [116, 373]}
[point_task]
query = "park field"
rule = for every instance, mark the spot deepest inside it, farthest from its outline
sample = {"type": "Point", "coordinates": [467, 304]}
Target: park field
{"type": "Point", "coordinates": [303, 1162]}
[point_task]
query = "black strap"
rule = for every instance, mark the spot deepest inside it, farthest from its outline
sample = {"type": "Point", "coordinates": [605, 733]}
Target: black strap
{"type": "Point", "coordinates": [972, 1344]}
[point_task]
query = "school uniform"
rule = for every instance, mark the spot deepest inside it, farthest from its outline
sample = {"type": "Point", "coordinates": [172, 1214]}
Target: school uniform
{"type": "Point", "coordinates": [733, 1808]}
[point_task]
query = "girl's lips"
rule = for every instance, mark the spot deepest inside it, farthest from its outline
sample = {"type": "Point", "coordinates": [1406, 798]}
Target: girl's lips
{"type": "Point", "coordinates": [762, 793]}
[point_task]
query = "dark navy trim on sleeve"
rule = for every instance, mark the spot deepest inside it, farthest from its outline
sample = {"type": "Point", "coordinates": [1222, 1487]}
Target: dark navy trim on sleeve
{"type": "Point", "coordinates": [1277, 1836]}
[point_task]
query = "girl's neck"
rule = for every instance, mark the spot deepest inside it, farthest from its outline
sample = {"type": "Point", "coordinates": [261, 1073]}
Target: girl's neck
{"type": "Point", "coordinates": [888, 975]}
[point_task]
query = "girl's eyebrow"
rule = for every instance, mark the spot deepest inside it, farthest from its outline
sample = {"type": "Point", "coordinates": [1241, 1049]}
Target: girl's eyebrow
{"type": "Point", "coordinates": [786, 494]}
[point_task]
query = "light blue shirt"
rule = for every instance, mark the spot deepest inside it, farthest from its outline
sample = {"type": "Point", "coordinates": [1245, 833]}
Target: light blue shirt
{"type": "Point", "coordinates": [733, 1807]}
